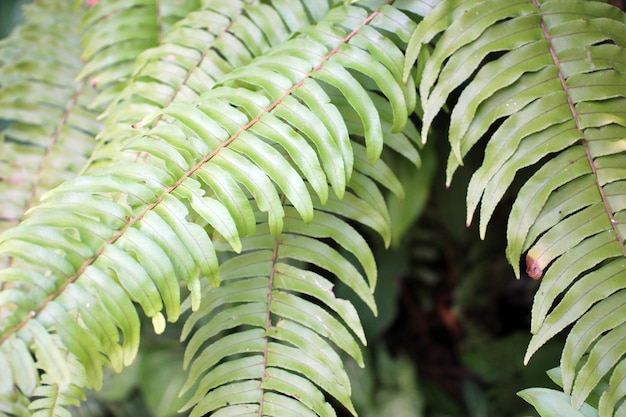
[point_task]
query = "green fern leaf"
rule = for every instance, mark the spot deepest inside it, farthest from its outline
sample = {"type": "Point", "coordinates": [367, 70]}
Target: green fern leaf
{"type": "Point", "coordinates": [551, 403]}
{"type": "Point", "coordinates": [256, 286]}
{"type": "Point", "coordinates": [560, 110]}
{"type": "Point", "coordinates": [199, 49]}
{"type": "Point", "coordinates": [110, 46]}
{"type": "Point", "coordinates": [50, 131]}
{"type": "Point", "coordinates": [166, 198]}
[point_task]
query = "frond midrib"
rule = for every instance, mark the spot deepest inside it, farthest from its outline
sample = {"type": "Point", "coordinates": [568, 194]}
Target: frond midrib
{"type": "Point", "coordinates": [170, 189]}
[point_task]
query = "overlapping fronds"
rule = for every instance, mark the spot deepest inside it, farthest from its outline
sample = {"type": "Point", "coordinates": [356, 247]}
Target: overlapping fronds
{"type": "Point", "coordinates": [251, 163]}
{"type": "Point", "coordinates": [545, 82]}
{"type": "Point", "coordinates": [49, 130]}
{"type": "Point", "coordinates": [116, 32]}
{"type": "Point", "coordinates": [198, 50]}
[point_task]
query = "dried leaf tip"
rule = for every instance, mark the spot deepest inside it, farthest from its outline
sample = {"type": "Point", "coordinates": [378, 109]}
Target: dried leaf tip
{"type": "Point", "coordinates": [532, 268]}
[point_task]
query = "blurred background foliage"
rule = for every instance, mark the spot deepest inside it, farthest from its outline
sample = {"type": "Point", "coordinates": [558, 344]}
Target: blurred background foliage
{"type": "Point", "coordinates": [453, 321]}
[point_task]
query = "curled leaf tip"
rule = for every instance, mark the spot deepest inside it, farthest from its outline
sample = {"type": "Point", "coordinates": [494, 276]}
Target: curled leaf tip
{"type": "Point", "coordinates": [532, 268]}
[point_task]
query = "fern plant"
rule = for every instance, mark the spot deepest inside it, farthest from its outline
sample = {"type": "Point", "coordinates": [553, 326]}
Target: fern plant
{"type": "Point", "coordinates": [221, 163]}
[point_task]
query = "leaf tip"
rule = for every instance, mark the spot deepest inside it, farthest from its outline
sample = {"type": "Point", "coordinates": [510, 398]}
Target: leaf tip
{"type": "Point", "coordinates": [158, 322]}
{"type": "Point", "coordinates": [533, 269]}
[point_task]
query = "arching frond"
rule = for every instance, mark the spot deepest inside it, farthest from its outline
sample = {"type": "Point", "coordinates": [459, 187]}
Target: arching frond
{"type": "Point", "coordinates": [49, 131]}
{"type": "Point", "coordinates": [250, 163]}
{"type": "Point", "coordinates": [548, 91]}
{"type": "Point", "coordinates": [199, 49]}
{"type": "Point", "coordinates": [284, 310]}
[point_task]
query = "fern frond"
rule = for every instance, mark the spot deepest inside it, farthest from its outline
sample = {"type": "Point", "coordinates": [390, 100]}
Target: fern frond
{"type": "Point", "coordinates": [201, 48]}
{"type": "Point", "coordinates": [549, 87]}
{"type": "Point", "coordinates": [115, 33]}
{"type": "Point", "coordinates": [285, 336]}
{"type": "Point", "coordinates": [50, 129]}
{"type": "Point", "coordinates": [145, 227]}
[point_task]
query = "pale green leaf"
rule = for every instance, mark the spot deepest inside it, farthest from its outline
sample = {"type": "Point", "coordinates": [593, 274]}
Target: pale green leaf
{"type": "Point", "coordinates": [227, 191]}
{"type": "Point", "coordinates": [256, 182]}
{"type": "Point", "coordinates": [132, 277]}
{"type": "Point", "coordinates": [78, 341]}
{"type": "Point", "coordinates": [322, 255]}
{"type": "Point", "coordinates": [310, 125]}
{"type": "Point", "coordinates": [157, 264]}
{"type": "Point", "coordinates": [240, 369]}
{"type": "Point", "coordinates": [565, 270]}
{"type": "Point", "coordinates": [362, 211]}
{"type": "Point", "coordinates": [604, 355]}
{"type": "Point", "coordinates": [359, 60]}
{"type": "Point", "coordinates": [247, 392]}
{"type": "Point", "coordinates": [6, 383]}
{"type": "Point", "coordinates": [281, 405]}
{"type": "Point", "coordinates": [248, 341]}
{"type": "Point", "coordinates": [532, 197]}
{"type": "Point", "coordinates": [155, 227]}
{"type": "Point", "coordinates": [289, 358]}
{"type": "Point", "coordinates": [550, 403]}
{"type": "Point", "coordinates": [288, 383]}
{"type": "Point", "coordinates": [254, 289]}
{"type": "Point", "coordinates": [194, 238]}
{"type": "Point", "coordinates": [317, 319]}
{"type": "Point", "coordinates": [602, 317]}
{"type": "Point", "coordinates": [358, 98]}
{"type": "Point", "coordinates": [120, 308]}
{"type": "Point", "coordinates": [279, 170]}
{"type": "Point", "coordinates": [316, 99]}
{"type": "Point", "coordinates": [327, 226]}
{"type": "Point", "coordinates": [211, 210]}
{"type": "Point", "coordinates": [610, 398]}
{"type": "Point", "coordinates": [22, 365]}
{"type": "Point", "coordinates": [589, 289]}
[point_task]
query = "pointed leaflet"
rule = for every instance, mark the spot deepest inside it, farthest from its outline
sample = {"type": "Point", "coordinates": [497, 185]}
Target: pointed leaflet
{"type": "Point", "coordinates": [565, 270]}
{"type": "Point", "coordinates": [610, 398]}
{"type": "Point", "coordinates": [97, 319]}
{"type": "Point", "coordinates": [226, 372]}
{"type": "Point", "coordinates": [158, 266]}
{"type": "Point", "coordinates": [22, 365]}
{"type": "Point", "coordinates": [506, 101]}
{"type": "Point", "coordinates": [291, 384]}
{"type": "Point", "coordinates": [330, 375]}
{"type": "Point", "coordinates": [341, 79]}
{"type": "Point", "coordinates": [227, 191]}
{"type": "Point", "coordinates": [157, 229]}
{"type": "Point", "coordinates": [322, 255]}
{"type": "Point", "coordinates": [532, 197]}
{"type": "Point", "coordinates": [328, 226]}
{"type": "Point", "coordinates": [211, 210]}
{"type": "Point", "coordinates": [553, 403]}
{"type": "Point", "coordinates": [289, 278]}
{"type": "Point", "coordinates": [586, 291]}
{"type": "Point", "coordinates": [119, 307]}
{"type": "Point", "coordinates": [604, 355]}
{"type": "Point", "coordinates": [80, 343]}
{"type": "Point", "coordinates": [598, 320]}
{"type": "Point", "coordinates": [473, 27]}
{"type": "Point", "coordinates": [318, 320]}
{"type": "Point", "coordinates": [135, 280]}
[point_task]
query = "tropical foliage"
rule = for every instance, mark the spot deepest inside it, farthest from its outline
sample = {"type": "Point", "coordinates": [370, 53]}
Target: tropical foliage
{"type": "Point", "coordinates": [232, 167]}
